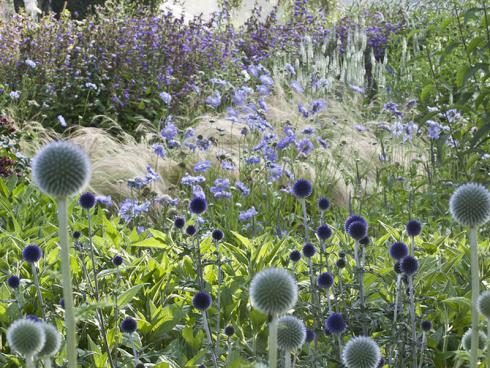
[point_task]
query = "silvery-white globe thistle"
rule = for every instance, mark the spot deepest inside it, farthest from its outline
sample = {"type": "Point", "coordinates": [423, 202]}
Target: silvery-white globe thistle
{"type": "Point", "coordinates": [273, 291]}
{"type": "Point", "coordinates": [61, 169]}
{"type": "Point", "coordinates": [470, 204]}
{"type": "Point", "coordinates": [361, 352]}
{"type": "Point", "coordinates": [26, 337]}
{"type": "Point", "coordinates": [291, 333]}
{"type": "Point", "coordinates": [466, 340]}
{"type": "Point", "coordinates": [484, 304]}
{"type": "Point", "coordinates": [52, 342]}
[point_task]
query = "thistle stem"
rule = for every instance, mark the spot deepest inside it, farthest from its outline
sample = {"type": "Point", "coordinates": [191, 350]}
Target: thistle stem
{"type": "Point", "coordinates": [339, 340]}
{"type": "Point", "coordinates": [305, 222]}
{"type": "Point", "coordinates": [71, 342]}
{"type": "Point", "coordinates": [412, 318]}
{"type": "Point", "coordinates": [135, 353]}
{"type": "Point", "coordinates": [273, 342]}
{"type": "Point", "coordinates": [412, 246]}
{"type": "Point", "coordinates": [488, 343]}
{"type": "Point", "coordinates": [38, 290]}
{"type": "Point", "coordinates": [30, 362]}
{"type": "Point", "coordinates": [218, 301]}
{"type": "Point", "coordinates": [328, 301]}
{"type": "Point", "coordinates": [208, 336]}
{"type": "Point", "coordinates": [47, 363]}
{"type": "Point", "coordinates": [422, 348]}
{"type": "Point", "coordinates": [475, 290]}
{"type": "Point", "coordinates": [287, 359]}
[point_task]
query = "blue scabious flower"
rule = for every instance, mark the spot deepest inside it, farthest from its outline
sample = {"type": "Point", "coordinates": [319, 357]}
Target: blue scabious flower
{"type": "Point", "coordinates": [214, 100]}
{"type": "Point", "coordinates": [221, 188]}
{"type": "Point", "coordinates": [169, 132]}
{"type": "Point", "coordinates": [303, 111]}
{"type": "Point", "coordinates": [248, 214]}
{"type": "Point", "coordinates": [227, 165]}
{"type": "Point", "coordinates": [322, 142]}
{"type": "Point", "coordinates": [285, 142]}
{"type": "Point", "coordinates": [335, 323]}
{"type": "Point", "coordinates": [198, 205]}
{"type": "Point", "coordinates": [398, 250]}
{"type": "Point", "coordinates": [242, 187]}
{"type": "Point", "coordinates": [130, 209]}
{"type": "Point", "coordinates": [290, 69]}
{"type": "Point", "coordinates": [266, 80]}
{"type": "Point", "coordinates": [252, 160]}
{"type": "Point", "coordinates": [308, 130]}
{"type": "Point", "coordinates": [296, 86]}
{"type": "Point", "coordinates": [302, 188]}
{"type": "Point", "coordinates": [317, 106]}
{"type": "Point", "coordinates": [14, 95]}
{"type": "Point", "coordinates": [105, 200]}
{"type": "Point", "coordinates": [31, 63]}
{"type": "Point", "coordinates": [165, 97]}
{"type": "Point", "coordinates": [304, 147]}
{"type": "Point", "coordinates": [202, 166]}
{"type": "Point", "coordinates": [158, 149]}
{"type": "Point", "coordinates": [192, 180]}
{"type": "Point", "coordinates": [275, 172]}
{"type": "Point", "coordinates": [263, 90]}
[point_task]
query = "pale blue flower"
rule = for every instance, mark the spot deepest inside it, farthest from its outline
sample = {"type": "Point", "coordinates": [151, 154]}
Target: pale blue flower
{"type": "Point", "coordinates": [166, 97]}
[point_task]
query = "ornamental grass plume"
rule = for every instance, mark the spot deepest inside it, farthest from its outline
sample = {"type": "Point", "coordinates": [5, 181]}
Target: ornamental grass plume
{"type": "Point", "coordinates": [61, 169]}
{"type": "Point", "coordinates": [27, 338]}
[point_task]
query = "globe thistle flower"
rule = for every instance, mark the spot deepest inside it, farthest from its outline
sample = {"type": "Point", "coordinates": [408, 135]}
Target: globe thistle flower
{"type": "Point", "coordinates": [409, 265]}
{"type": "Point", "coordinates": [310, 335]}
{"type": "Point", "coordinates": [365, 241]}
{"type": "Point", "coordinates": [351, 219]}
{"type": "Point", "coordinates": [335, 323]}
{"type": "Point", "coordinates": [324, 232]}
{"type": "Point", "coordinates": [33, 318]}
{"type": "Point", "coordinates": [32, 253]}
{"type": "Point", "coordinates": [398, 250]}
{"type": "Point", "coordinates": [470, 205]}
{"type": "Point", "coordinates": [229, 330]}
{"type": "Point", "coordinates": [87, 200]}
{"type": "Point", "coordinates": [128, 325]}
{"type": "Point", "coordinates": [61, 169]}
{"type": "Point", "coordinates": [295, 256]}
{"type": "Point", "coordinates": [397, 267]}
{"type": "Point", "coordinates": [291, 333]}
{"type": "Point", "coordinates": [413, 228]}
{"type": "Point", "coordinates": [190, 230]}
{"type": "Point", "coordinates": [76, 235]}
{"type": "Point", "coordinates": [117, 260]}
{"type": "Point", "coordinates": [361, 352]}
{"type": "Point", "coordinates": [381, 362]}
{"type": "Point", "coordinates": [198, 205]}
{"type": "Point", "coordinates": [484, 304]}
{"type": "Point", "coordinates": [273, 291]}
{"type": "Point", "coordinates": [13, 282]}
{"type": "Point", "coordinates": [179, 222]}
{"type": "Point", "coordinates": [466, 340]}
{"type": "Point", "coordinates": [52, 341]}
{"type": "Point", "coordinates": [202, 301]}
{"type": "Point", "coordinates": [323, 204]}
{"type": "Point", "coordinates": [141, 365]}
{"type": "Point", "coordinates": [426, 325]}
{"type": "Point", "coordinates": [26, 337]}
{"type": "Point", "coordinates": [302, 188]}
{"type": "Point", "coordinates": [325, 280]}
{"type": "Point", "coordinates": [357, 230]}
{"type": "Point", "coordinates": [309, 250]}
{"type": "Point", "coordinates": [342, 254]}
{"type": "Point", "coordinates": [217, 234]}
{"type": "Point", "coordinates": [341, 263]}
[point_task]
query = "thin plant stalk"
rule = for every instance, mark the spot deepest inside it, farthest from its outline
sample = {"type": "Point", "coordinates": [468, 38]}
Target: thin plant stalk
{"type": "Point", "coordinates": [488, 343]}
{"type": "Point", "coordinates": [38, 289]}
{"type": "Point", "coordinates": [412, 245]}
{"type": "Point", "coordinates": [273, 342]}
{"type": "Point", "coordinates": [395, 314]}
{"type": "Point", "coordinates": [229, 342]}
{"type": "Point", "coordinates": [305, 222]}
{"type": "Point", "coordinates": [475, 290]}
{"type": "Point", "coordinates": [422, 348]}
{"type": "Point", "coordinates": [412, 319]}
{"type": "Point", "coordinates": [135, 353]}
{"type": "Point", "coordinates": [208, 336]}
{"type": "Point", "coordinates": [328, 301]}
{"type": "Point", "coordinates": [339, 340]}
{"type": "Point", "coordinates": [47, 363]}
{"type": "Point", "coordinates": [361, 278]}
{"type": "Point", "coordinates": [218, 301]}
{"type": "Point", "coordinates": [287, 359]}
{"type": "Point", "coordinates": [30, 361]}
{"type": "Point", "coordinates": [342, 292]}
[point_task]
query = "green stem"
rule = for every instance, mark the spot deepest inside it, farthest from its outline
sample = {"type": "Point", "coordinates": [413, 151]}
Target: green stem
{"type": "Point", "coordinates": [488, 343]}
{"type": "Point", "coordinates": [412, 318]}
{"type": "Point", "coordinates": [424, 341]}
{"type": "Point", "coordinates": [273, 342]}
{"type": "Point", "coordinates": [208, 335]}
{"type": "Point", "coordinates": [218, 302]}
{"type": "Point", "coordinates": [412, 247]}
{"type": "Point", "coordinates": [305, 222]}
{"type": "Point", "coordinates": [30, 362]}
{"type": "Point", "coordinates": [47, 363]}
{"type": "Point", "coordinates": [38, 290]}
{"type": "Point", "coordinates": [475, 290]}
{"type": "Point", "coordinates": [135, 353]}
{"type": "Point", "coordinates": [71, 342]}
{"type": "Point", "coordinates": [287, 359]}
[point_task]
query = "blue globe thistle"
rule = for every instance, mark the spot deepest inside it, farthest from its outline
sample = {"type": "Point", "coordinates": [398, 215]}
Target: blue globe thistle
{"type": "Point", "coordinates": [365, 241]}
{"type": "Point", "coordinates": [361, 352]}
{"type": "Point", "coordinates": [202, 301]}
{"type": "Point", "coordinates": [310, 335]}
{"type": "Point", "coordinates": [413, 228]}
{"type": "Point", "coordinates": [342, 254]}
{"type": "Point", "coordinates": [61, 169]}
{"type": "Point", "coordinates": [325, 280]}
{"type": "Point", "coordinates": [351, 219]}
{"type": "Point", "coordinates": [309, 250]}
{"type": "Point", "coordinates": [52, 341]}
{"type": "Point", "coordinates": [179, 222]}
{"type": "Point", "coordinates": [32, 253]}
{"type": "Point", "coordinates": [117, 260]}
{"type": "Point", "coordinates": [77, 235]}
{"type": "Point", "coordinates": [335, 323]}
{"type": "Point", "coordinates": [398, 250]}
{"type": "Point", "coordinates": [426, 325]}
{"type": "Point", "coordinates": [323, 204]}
{"type": "Point", "coordinates": [341, 263]}
{"type": "Point", "coordinates": [198, 205]}
{"type": "Point", "coordinates": [291, 333]}
{"type": "Point", "coordinates": [13, 282]}
{"type": "Point", "coordinates": [217, 234]}
{"type": "Point", "coordinates": [128, 325]}
{"type": "Point", "coordinates": [466, 340]}
{"type": "Point", "coordinates": [273, 291]}
{"type": "Point", "coordinates": [26, 337]}
{"type": "Point", "coordinates": [397, 268]}
{"type": "Point", "coordinates": [409, 265]}
{"type": "Point", "coordinates": [324, 232]}
{"type": "Point", "coordinates": [33, 318]}
{"type": "Point", "coordinates": [87, 200]}
{"type": "Point", "coordinates": [302, 188]}
{"type": "Point", "coordinates": [357, 230]}
{"type": "Point", "coordinates": [484, 304]}
{"type": "Point", "coordinates": [229, 330]}
{"type": "Point", "coordinates": [295, 256]}
{"type": "Point", "coordinates": [470, 205]}
{"type": "Point", "coordinates": [190, 230]}
{"type": "Point", "coordinates": [381, 362]}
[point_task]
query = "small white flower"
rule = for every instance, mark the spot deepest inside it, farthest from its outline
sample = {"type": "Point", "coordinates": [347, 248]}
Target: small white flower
{"type": "Point", "coordinates": [14, 95]}
{"type": "Point", "coordinates": [31, 63]}
{"type": "Point", "coordinates": [62, 121]}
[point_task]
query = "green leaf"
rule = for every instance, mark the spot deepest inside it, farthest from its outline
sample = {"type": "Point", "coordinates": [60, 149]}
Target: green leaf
{"type": "Point", "coordinates": [150, 243]}
{"type": "Point", "coordinates": [128, 295]}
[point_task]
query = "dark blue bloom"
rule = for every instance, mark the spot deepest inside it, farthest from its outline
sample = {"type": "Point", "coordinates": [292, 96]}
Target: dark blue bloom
{"type": "Point", "coordinates": [217, 234]}
{"type": "Point", "coordinates": [13, 282]}
{"type": "Point", "coordinates": [309, 250]}
{"type": "Point", "coordinates": [32, 253]}
{"type": "Point", "coordinates": [396, 267]}
{"type": "Point", "coordinates": [413, 228]}
{"type": "Point", "coordinates": [295, 256]}
{"type": "Point", "coordinates": [198, 205]}
{"type": "Point", "coordinates": [324, 232]}
{"type": "Point", "coordinates": [310, 335]}
{"type": "Point", "coordinates": [190, 230]}
{"type": "Point", "coordinates": [398, 250]}
{"type": "Point", "coordinates": [340, 263]}
{"type": "Point", "coordinates": [33, 318]}
{"type": "Point", "coordinates": [426, 325]}
{"type": "Point", "coordinates": [117, 260]}
{"type": "Point", "coordinates": [302, 188]}
{"type": "Point", "coordinates": [87, 200]}
{"type": "Point", "coordinates": [179, 222]}
{"type": "Point", "coordinates": [335, 323]}
{"type": "Point", "coordinates": [201, 301]}
{"type": "Point", "coordinates": [128, 325]}
{"type": "Point", "coordinates": [342, 254]}
{"type": "Point", "coordinates": [351, 219]}
{"type": "Point", "coordinates": [325, 280]}
{"type": "Point", "coordinates": [229, 330]}
{"type": "Point", "coordinates": [357, 230]}
{"type": "Point", "coordinates": [76, 235]}
{"type": "Point", "coordinates": [323, 204]}
{"type": "Point", "coordinates": [409, 265]}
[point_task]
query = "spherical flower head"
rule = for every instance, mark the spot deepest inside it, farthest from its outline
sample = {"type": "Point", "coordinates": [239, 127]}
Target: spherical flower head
{"type": "Point", "coordinates": [325, 280]}
{"type": "Point", "coordinates": [323, 204]}
{"type": "Point", "coordinates": [302, 188]}
{"type": "Point", "coordinates": [179, 222]}
{"type": "Point", "coordinates": [32, 253]}
{"type": "Point", "coordinates": [413, 227]}
{"type": "Point", "coordinates": [309, 250]}
{"type": "Point", "coordinates": [229, 330]}
{"type": "Point", "coordinates": [397, 267]}
{"type": "Point", "coordinates": [398, 250]}
{"type": "Point", "coordinates": [190, 230]}
{"type": "Point", "coordinates": [117, 260]}
{"type": "Point", "coordinates": [470, 205]}
{"type": "Point", "coordinates": [426, 325]}
{"type": "Point", "coordinates": [26, 337]}
{"type": "Point", "coordinates": [273, 291]}
{"type": "Point", "coordinates": [217, 234]}
{"type": "Point", "coordinates": [381, 362]}
{"type": "Point", "coordinates": [484, 304]}
{"type": "Point", "coordinates": [466, 340]}
{"type": "Point", "coordinates": [13, 282]}
{"type": "Point", "coordinates": [365, 241]}
{"type": "Point", "coordinates": [351, 219]}
{"type": "Point", "coordinates": [341, 263]}
{"type": "Point", "coordinates": [52, 342]}
{"type": "Point", "coordinates": [202, 301]}
{"type": "Point", "coordinates": [77, 235]}
{"type": "Point", "coordinates": [409, 265]}
{"type": "Point", "coordinates": [361, 352]}
{"type": "Point", "coordinates": [33, 318]}
{"type": "Point", "coordinates": [87, 200]}
{"type": "Point", "coordinates": [310, 335]}
{"type": "Point", "coordinates": [324, 232]}
{"type": "Point", "coordinates": [291, 333]}
{"type": "Point", "coordinates": [295, 256]}
{"type": "Point", "coordinates": [61, 169]}
{"type": "Point", "coordinates": [342, 254]}
{"type": "Point", "coordinates": [139, 365]}
{"type": "Point", "coordinates": [357, 230]}
{"type": "Point", "coordinates": [335, 323]}
{"type": "Point", "coordinates": [198, 205]}
{"type": "Point", "coordinates": [128, 325]}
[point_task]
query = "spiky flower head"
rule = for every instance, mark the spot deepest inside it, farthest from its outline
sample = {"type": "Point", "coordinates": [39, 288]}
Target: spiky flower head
{"type": "Point", "coordinates": [341, 263]}
{"type": "Point", "coordinates": [61, 169]}
{"type": "Point", "coordinates": [77, 235]}
{"type": "Point", "coordinates": [325, 280]}
{"type": "Point", "coordinates": [302, 188]}
{"type": "Point", "coordinates": [310, 335]}
{"type": "Point", "coordinates": [365, 241]}
{"type": "Point", "coordinates": [335, 323]}
{"type": "Point", "coordinates": [309, 250]}
{"type": "Point", "coordinates": [324, 232]}
{"type": "Point", "coordinates": [484, 304]}
{"type": "Point", "coordinates": [466, 340]}
{"type": "Point", "coordinates": [323, 204]}
{"type": "Point", "coordinates": [26, 337]}
{"type": "Point", "coordinates": [409, 265]}
{"type": "Point", "coordinates": [32, 253]}
{"type": "Point", "coordinates": [128, 325]}
{"type": "Point", "coordinates": [217, 234]}
{"type": "Point", "coordinates": [342, 254]}
{"type": "Point", "coordinates": [229, 330]}
{"type": "Point", "coordinates": [190, 230]}
{"type": "Point", "coordinates": [273, 291]}
{"type": "Point", "coordinates": [198, 205]}
{"type": "Point", "coordinates": [413, 228]}
{"type": "Point", "coordinates": [397, 268]}
{"type": "Point", "coordinates": [357, 230]}
{"type": "Point", "coordinates": [470, 204]}
{"type": "Point", "coordinates": [117, 260]}
{"type": "Point", "coordinates": [13, 282]}
{"type": "Point", "coordinates": [87, 200]}
{"type": "Point", "coordinates": [291, 333]}
{"type": "Point", "coordinates": [351, 219]}
{"type": "Point", "coordinates": [179, 222]}
{"type": "Point", "coordinates": [52, 342]}
{"type": "Point", "coordinates": [426, 325]}
{"type": "Point", "coordinates": [295, 256]}
{"type": "Point", "coordinates": [361, 352]}
{"type": "Point", "coordinates": [202, 301]}
{"type": "Point", "coordinates": [398, 250]}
